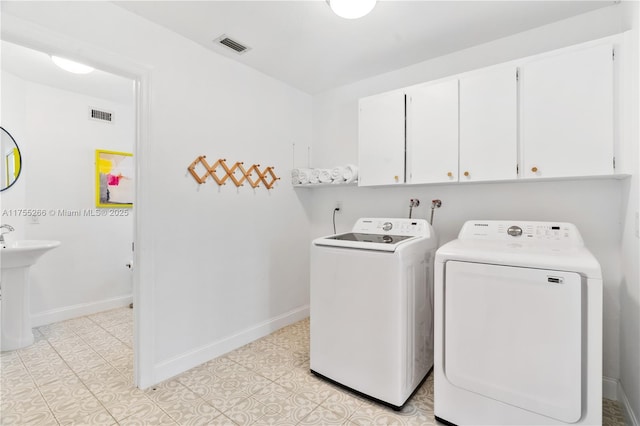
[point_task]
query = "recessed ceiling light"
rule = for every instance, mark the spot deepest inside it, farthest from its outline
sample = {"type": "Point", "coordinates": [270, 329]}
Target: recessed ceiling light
{"type": "Point", "coordinates": [351, 9]}
{"type": "Point", "coordinates": [71, 66]}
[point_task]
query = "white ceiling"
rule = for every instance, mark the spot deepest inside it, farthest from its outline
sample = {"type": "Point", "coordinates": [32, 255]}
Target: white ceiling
{"type": "Point", "coordinates": [36, 66]}
{"type": "Point", "coordinates": [302, 42]}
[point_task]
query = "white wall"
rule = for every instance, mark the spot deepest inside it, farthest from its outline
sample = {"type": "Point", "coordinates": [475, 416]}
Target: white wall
{"type": "Point", "coordinates": [630, 286]}
{"type": "Point", "coordinates": [225, 265]}
{"type": "Point", "coordinates": [57, 140]}
{"type": "Point", "coordinates": [13, 117]}
{"type": "Point", "coordinates": [596, 207]}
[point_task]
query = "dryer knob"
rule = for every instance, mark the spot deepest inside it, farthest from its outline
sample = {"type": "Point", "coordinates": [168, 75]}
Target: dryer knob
{"type": "Point", "coordinates": [514, 231]}
{"type": "Point", "coordinates": [387, 226]}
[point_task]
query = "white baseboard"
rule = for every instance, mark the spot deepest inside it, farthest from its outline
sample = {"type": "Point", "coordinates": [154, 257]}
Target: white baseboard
{"type": "Point", "coordinates": [80, 310]}
{"type": "Point", "coordinates": [610, 388]}
{"type": "Point", "coordinates": [630, 417]}
{"type": "Point", "coordinates": [188, 360]}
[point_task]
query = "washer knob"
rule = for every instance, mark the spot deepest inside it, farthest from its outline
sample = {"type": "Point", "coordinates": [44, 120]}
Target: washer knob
{"type": "Point", "coordinates": [387, 226]}
{"type": "Point", "coordinates": [514, 231]}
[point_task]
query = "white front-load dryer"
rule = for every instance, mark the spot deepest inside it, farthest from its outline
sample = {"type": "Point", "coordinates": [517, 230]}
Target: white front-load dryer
{"type": "Point", "coordinates": [518, 326]}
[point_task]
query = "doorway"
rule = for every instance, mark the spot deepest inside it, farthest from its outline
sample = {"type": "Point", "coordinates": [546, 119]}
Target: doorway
{"type": "Point", "coordinates": [73, 132]}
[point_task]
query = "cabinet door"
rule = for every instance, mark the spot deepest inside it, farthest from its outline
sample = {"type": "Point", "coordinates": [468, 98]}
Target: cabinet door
{"type": "Point", "coordinates": [488, 125]}
{"type": "Point", "coordinates": [567, 114]}
{"type": "Point", "coordinates": [381, 142]}
{"type": "Point", "coordinates": [432, 133]}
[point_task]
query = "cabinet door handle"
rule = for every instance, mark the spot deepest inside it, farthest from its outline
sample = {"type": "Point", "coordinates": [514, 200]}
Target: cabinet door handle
{"type": "Point", "coordinates": [450, 174]}
{"type": "Point", "coordinates": [534, 169]}
{"type": "Point", "coordinates": [466, 174]}
{"type": "Point", "coordinates": [395, 178]}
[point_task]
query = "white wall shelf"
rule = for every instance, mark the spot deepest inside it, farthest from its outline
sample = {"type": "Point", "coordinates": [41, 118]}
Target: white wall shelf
{"type": "Point", "coordinates": [324, 185]}
{"type": "Point", "coordinates": [618, 176]}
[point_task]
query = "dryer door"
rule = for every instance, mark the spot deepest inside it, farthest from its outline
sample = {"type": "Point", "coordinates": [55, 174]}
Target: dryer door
{"type": "Point", "coordinates": [515, 335]}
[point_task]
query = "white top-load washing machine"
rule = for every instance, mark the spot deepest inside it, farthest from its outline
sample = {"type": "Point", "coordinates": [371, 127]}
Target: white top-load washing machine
{"type": "Point", "coordinates": [518, 326]}
{"type": "Point", "coordinates": [372, 307]}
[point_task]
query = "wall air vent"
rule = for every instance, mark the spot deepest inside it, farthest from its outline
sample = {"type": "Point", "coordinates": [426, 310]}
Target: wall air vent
{"type": "Point", "coordinates": [100, 115]}
{"type": "Point", "coordinates": [232, 44]}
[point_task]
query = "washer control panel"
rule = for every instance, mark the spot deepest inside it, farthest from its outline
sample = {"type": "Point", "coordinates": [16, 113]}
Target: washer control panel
{"type": "Point", "coordinates": [392, 226]}
{"type": "Point", "coordinates": [521, 231]}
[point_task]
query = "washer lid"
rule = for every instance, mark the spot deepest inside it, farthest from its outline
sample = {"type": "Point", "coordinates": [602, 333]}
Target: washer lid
{"type": "Point", "coordinates": [370, 238]}
{"type": "Point", "coordinates": [380, 242]}
{"type": "Point", "coordinates": [382, 234]}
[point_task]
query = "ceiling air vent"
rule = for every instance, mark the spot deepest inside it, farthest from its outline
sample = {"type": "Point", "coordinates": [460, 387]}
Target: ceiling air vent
{"type": "Point", "coordinates": [232, 44]}
{"type": "Point", "coordinates": [99, 115]}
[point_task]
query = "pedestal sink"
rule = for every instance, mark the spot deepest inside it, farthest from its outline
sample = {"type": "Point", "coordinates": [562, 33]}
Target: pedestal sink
{"type": "Point", "coordinates": [15, 260]}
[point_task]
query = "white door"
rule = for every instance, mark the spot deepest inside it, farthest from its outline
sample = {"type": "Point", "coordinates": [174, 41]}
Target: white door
{"type": "Point", "coordinates": [567, 114]}
{"type": "Point", "coordinates": [432, 133]}
{"type": "Point", "coordinates": [488, 125]}
{"type": "Point", "coordinates": [381, 142]}
{"type": "Point", "coordinates": [515, 335]}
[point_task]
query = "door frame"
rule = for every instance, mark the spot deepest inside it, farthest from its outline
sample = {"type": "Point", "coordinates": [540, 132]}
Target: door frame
{"type": "Point", "coordinates": [28, 34]}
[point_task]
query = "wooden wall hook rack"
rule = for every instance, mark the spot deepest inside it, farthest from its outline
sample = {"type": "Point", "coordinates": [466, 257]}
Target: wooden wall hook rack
{"type": "Point", "coordinates": [236, 173]}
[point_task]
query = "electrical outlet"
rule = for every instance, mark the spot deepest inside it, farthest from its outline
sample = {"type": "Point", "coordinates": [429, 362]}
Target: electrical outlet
{"type": "Point", "coordinates": [338, 206]}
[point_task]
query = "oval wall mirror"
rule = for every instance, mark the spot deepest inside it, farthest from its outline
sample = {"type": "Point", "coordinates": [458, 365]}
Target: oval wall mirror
{"type": "Point", "coordinates": [11, 160]}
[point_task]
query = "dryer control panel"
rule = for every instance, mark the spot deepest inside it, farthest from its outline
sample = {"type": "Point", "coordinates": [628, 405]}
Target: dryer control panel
{"type": "Point", "coordinates": [559, 232]}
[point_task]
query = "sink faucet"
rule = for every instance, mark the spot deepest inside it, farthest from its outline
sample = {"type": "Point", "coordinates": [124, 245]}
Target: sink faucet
{"type": "Point", "coordinates": [8, 228]}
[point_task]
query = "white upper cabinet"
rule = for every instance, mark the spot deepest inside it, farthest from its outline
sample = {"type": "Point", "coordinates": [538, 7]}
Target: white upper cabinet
{"type": "Point", "coordinates": [567, 114]}
{"type": "Point", "coordinates": [489, 124]}
{"type": "Point", "coordinates": [381, 139]}
{"type": "Point", "coordinates": [554, 115]}
{"type": "Point", "coordinates": [432, 133]}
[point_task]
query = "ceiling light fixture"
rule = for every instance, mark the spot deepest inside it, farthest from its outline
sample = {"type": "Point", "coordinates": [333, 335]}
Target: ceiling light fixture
{"type": "Point", "coordinates": [351, 9]}
{"type": "Point", "coordinates": [71, 66]}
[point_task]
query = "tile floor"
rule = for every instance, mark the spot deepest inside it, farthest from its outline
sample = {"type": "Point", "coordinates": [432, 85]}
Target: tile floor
{"type": "Point", "coordinates": [79, 372]}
